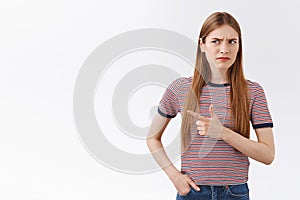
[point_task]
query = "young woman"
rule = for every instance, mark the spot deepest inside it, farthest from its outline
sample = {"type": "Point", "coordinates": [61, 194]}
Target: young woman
{"type": "Point", "coordinates": [217, 105]}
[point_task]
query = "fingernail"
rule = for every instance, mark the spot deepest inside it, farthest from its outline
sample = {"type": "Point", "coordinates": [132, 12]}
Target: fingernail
{"type": "Point", "coordinates": [198, 189]}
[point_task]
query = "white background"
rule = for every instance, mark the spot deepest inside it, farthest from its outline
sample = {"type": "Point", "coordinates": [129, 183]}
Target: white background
{"type": "Point", "coordinates": [43, 45]}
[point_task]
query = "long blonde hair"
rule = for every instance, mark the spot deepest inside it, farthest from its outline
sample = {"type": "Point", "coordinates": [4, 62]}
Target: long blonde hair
{"type": "Point", "coordinates": [202, 74]}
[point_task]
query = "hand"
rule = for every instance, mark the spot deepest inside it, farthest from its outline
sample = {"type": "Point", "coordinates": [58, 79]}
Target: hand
{"type": "Point", "coordinates": [210, 127]}
{"type": "Point", "coordinates": [183, 183]}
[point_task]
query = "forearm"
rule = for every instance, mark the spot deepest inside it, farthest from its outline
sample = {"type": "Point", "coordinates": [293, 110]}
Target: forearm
{"type": "Point", "coordinates": [258, 151]}
{"type": "Point", "coordinates": [180, 181]}
{"type": "Point", "coordinates": [161, 157]}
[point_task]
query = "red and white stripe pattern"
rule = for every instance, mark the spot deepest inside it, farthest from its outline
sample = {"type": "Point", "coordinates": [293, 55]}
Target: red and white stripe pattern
{"type": "Point", "coordinates": [210, 161]}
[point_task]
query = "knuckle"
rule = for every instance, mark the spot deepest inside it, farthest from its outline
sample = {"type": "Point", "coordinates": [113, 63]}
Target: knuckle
{"type": "Point", "coordinates": [185, 191]}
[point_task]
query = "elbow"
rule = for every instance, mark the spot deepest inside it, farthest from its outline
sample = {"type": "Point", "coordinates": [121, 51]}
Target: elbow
{"type": "Point", "coordinates": [150, 141]}
{"type": "Point", "coordinates": [268, 162]}
{"type": "Point", "coordinates": [270, 159]}
{"type": "Point", "coordinates": [154, 144]}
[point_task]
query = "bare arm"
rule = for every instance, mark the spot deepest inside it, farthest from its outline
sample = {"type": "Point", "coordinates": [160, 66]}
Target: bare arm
{"type": "Point", "coordinates": [154, 143]}
{"type": "Point", "coordinates": [181, 182]}
{"type": "Point", "coordinates": [262, 150]}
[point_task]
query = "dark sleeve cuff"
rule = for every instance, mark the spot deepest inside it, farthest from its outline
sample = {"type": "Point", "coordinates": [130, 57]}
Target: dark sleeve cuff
{"type": "Point", "coordinates": [165, 115]}
{"type": "Point", "coordinates": [265, 125]}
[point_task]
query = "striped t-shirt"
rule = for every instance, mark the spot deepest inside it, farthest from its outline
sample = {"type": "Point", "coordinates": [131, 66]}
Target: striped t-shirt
{"type": "Point", "coordinates": [209, 161]}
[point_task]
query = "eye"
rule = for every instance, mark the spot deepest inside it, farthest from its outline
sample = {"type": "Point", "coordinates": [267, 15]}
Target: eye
{"type": "Point", "coordinates": [232, 41]}
{"type": "Point", "coordinates": [215, 41]}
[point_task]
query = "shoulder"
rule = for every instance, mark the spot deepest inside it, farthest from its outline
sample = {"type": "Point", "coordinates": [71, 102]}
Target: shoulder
{"type": "Point", "coordinates": [181, 82]}
{"type": "Point", "coordinates": [255, 87]}
{"type": "Point", "coordinates": [184, 80]}
{"type": "Point", "coordinates": [252, 83]}
{"type": "Point", "coordinates": [179, 85]}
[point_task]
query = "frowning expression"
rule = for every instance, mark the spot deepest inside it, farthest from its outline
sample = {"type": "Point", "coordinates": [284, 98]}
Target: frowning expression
{"type": "Point", "coordinates": [221, 47]}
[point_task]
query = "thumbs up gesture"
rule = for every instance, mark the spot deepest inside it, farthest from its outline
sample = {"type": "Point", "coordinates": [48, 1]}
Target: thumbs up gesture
{"type": "Point", "coordinates": [210, 127]}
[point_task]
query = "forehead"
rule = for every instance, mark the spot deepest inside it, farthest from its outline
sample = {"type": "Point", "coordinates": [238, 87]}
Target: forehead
{"type": "Point", "coordinates": [224, 31]}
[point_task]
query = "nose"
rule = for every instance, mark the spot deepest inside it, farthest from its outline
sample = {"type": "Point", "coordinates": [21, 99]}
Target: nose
{"type": "Point", "coordinates": [224, 49]}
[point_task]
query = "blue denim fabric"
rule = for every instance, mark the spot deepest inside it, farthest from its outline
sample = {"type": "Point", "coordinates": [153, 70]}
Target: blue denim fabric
{"type": "Point", "coordinates": [209, 192]}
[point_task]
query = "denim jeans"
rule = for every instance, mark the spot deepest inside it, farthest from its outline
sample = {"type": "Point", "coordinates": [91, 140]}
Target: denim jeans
{"type": "Point", "coordinates": [209, 192]}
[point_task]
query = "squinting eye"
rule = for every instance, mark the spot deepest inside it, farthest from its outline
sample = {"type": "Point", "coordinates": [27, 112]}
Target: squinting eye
{"type": "Point", "coordinates": [215, 41]}
{"type": "Point", "coordinates": [232, 42]}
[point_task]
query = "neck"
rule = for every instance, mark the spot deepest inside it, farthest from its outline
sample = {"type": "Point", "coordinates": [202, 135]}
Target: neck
{"type": "Point", "coordinates": [219, 76]}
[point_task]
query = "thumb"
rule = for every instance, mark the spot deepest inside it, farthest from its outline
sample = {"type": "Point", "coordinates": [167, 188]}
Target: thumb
{"type": "Point", "coordinates": [211, 111]}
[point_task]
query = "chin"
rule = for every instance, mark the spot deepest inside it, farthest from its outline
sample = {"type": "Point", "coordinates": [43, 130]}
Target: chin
{"type": "Point", "coordinates": [223, 67]}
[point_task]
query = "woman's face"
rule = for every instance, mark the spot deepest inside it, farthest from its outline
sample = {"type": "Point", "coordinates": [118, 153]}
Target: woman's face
{"type": "Point", "coordinates": [221, 47]}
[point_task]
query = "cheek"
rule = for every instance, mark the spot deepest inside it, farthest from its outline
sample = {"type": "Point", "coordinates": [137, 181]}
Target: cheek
{"type": "Point", "coordinates": [209, 55]}
{"type": "Point", "coordinates": [235, 50]}
{"type": "Point", "coordinates": [236, 54]}
{"type": "Point", "coordinates": [212, 52]}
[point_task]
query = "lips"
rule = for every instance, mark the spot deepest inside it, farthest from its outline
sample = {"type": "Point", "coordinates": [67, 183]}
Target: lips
{"type": "Point", "coordinates": [223, 58]}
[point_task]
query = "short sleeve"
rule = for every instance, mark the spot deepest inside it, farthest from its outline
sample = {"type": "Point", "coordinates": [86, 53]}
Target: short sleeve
{"type": "Point", "coordinates": [169, 105]}
{"type": "Point", "coordinates": [260, 114]}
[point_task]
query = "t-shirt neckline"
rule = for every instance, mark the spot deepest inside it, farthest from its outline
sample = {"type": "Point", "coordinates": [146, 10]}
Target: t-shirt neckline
{"type": "Point", "coordinates": [218, 84]}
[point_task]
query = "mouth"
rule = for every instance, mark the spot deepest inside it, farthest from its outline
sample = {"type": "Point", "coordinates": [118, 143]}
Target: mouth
{"type": "Point", "coordinates": [223, 58]}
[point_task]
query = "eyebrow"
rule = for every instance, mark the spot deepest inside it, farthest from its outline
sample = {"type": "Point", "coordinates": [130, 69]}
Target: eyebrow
{"type": "Point", "coordinates": [222, 39]}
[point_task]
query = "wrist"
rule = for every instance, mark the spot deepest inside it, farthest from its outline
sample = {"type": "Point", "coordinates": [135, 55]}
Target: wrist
{"type": "Point", "coordinates": [172, 173]}
{"type": "Point", "coordinates": [224, 133]}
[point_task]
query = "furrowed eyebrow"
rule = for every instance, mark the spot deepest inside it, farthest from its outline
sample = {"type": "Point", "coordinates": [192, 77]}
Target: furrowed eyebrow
{"type": "Point", "coordinates": [216, 39]}
{"type": "Point", "coordinates": [222, 39]}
